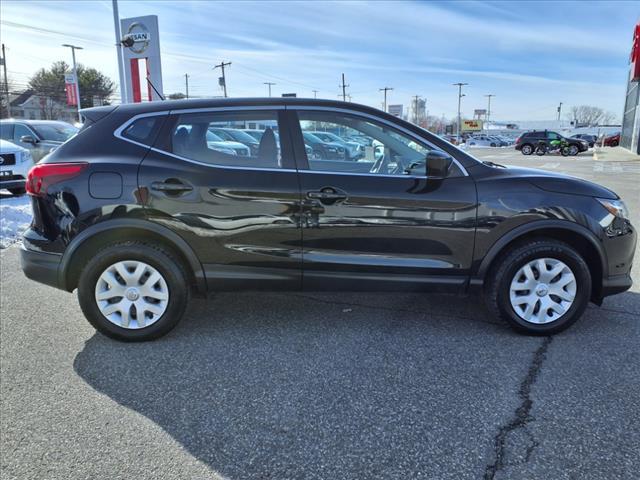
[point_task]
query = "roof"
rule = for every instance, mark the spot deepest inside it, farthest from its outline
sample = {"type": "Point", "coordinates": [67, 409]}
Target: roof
{"type": "Point", "coordinates": [23, 97]}
{"type": "Point", "coordinates": [156, 106]}
{"type": "Point", "coordinates": [34, 122]}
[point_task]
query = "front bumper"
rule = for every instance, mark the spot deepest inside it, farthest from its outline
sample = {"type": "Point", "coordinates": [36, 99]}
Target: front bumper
{"type": "Point", "coordinates": [41, 267]}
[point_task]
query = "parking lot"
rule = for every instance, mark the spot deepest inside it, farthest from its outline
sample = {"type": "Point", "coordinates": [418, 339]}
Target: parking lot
{"type": "Point", "coordinates": [344, 386]}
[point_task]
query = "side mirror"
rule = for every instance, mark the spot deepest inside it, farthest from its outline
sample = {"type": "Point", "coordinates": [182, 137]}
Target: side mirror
{"type": "Point", "coordinates": [28, 139]}
{"type": "Point", "coordinates": [438, 164]}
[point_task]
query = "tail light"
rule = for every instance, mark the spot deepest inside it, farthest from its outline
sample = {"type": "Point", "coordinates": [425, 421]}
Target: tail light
{"type": "Point", "coordinates": [43, 175]}
{"type": "Point", "coordinates": [518, 140]}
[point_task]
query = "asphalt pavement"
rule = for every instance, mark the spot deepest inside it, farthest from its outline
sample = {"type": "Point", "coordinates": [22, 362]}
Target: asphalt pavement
{"type": "Point", "coordinates": [323, 386]}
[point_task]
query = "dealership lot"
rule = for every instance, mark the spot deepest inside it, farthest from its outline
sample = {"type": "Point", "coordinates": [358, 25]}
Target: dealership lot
{"type": "Point", "coordinates": [325, 386]}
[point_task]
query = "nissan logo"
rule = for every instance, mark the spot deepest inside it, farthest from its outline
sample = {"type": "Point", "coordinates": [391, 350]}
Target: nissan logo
{"type": "Point", "coordinates": [1, 160]}
{"type": "Point", "coordinates": [137, 38]}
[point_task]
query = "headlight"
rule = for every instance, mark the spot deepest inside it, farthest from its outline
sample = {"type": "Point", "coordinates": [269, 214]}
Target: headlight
{"type": "Point", "coordinates": [617, 208]}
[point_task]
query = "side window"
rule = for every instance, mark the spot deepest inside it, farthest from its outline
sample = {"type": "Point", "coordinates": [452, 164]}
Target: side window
{"type": "Point", "coordinates": [553, 136]}
{"type": "Point", "coordinates": [235, 139]}
{"type": "Point", "coordinates": [20, 131]}
{"type": "Point", "coordinates": [340, 142]}
{"type": "Point", "coordinates": [144, 130]}
{"type": "Point", "coordinates": [6, 131]}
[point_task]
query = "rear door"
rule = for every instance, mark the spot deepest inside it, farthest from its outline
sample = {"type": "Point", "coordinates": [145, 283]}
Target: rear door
{"type": "Point", "coordinates": [379, 223]}
{"type": "Point", "coordinates": [239, 211]}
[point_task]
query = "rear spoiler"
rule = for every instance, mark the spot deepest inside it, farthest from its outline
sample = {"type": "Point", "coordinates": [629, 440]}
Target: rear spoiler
{"type": "Point", "coordinates": [92, 115]}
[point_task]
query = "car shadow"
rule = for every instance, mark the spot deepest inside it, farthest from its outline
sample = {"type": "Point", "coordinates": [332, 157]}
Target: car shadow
{"type": "Point", "coordinates": [323, 386]}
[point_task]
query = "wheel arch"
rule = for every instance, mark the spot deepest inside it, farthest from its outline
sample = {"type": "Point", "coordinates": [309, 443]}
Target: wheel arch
{"type": "Point", "coordinates": [79, 251]}
{"type": "Point", "coordinates": [580, 238]}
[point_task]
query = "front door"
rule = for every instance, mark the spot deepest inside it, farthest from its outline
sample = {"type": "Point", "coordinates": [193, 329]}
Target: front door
{"type": "Point", "coordinates": [379, 222]}
{"type": "Point", "coordinates": [237, 206]}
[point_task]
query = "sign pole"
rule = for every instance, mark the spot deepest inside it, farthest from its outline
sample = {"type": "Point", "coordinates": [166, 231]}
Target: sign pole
{"type": "Point", "coordinates": [123, 83]}
{"type": "Point", "coordinates": [75, 75]}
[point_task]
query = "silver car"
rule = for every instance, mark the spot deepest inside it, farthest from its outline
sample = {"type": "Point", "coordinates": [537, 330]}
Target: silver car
{"type": "Point", "coordinates": [38, 136]}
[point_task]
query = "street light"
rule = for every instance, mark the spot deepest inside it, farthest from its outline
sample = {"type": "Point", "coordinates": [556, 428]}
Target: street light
{"type": "Point", "coordinates": [75, 74]}
{"type": "Point", "coordinates": [460, 95]}
{"type": "Point", "coordinates": [488, 115]}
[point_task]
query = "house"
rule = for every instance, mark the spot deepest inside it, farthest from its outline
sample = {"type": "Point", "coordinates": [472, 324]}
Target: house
{"type": "Point", "coordinates": [30, 106]}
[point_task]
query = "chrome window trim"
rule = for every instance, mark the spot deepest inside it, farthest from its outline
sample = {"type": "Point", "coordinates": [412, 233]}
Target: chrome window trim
{"type": "Point", "coordinates": [380, 120]}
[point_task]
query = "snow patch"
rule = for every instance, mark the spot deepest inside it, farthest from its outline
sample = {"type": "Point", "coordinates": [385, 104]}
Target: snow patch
{"type": "Point", "coordinates": [15, 217]}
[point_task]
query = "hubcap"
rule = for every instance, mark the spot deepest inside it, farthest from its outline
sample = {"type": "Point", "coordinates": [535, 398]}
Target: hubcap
{"type": "Point", "coordinates": [132, 294]}
{"type": "Point", "coordinates": [543, 290]}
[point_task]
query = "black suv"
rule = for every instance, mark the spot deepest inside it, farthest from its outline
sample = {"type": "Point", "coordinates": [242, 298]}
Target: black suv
{"type": "Point", "coordinates": [528, 141]}
{"type": "Point", "coordinates": [141, 209]}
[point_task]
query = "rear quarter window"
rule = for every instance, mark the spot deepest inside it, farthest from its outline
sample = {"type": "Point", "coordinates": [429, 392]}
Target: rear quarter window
{"type": "Point", "coordinates": [144, 130]}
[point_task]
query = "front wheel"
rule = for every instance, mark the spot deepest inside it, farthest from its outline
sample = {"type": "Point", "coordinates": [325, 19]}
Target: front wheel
{"type": "Point", "coordinates": [573, 150]}
{"type": "Point", "coordinates": [540, 288]}
{"type": "Point", "coordinates": [133, 291]}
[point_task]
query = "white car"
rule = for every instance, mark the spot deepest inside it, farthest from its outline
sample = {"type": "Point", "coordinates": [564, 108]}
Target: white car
{"type": "Point", "coordinates": [482, 141]}
{"type": "Point", "coordinates": [15, 163]}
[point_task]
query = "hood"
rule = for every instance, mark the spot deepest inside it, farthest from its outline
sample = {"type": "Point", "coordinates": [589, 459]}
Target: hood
{"type": "Point", "coordinates": [558, 183]}
{"type": "Point", "coordinates": [8, 147]}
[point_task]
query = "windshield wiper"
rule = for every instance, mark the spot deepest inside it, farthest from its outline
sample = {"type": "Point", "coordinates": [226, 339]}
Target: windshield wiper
{"type": "Point", "coordinates": [493, 164]}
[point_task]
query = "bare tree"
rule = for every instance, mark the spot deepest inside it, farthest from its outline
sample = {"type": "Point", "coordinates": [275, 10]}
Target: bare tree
{"type": "Point", "coordinates": [589, 115]}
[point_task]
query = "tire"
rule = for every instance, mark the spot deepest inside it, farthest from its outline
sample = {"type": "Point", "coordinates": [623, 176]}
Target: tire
{"type": "Point", "coordinates": [17, 191]}
{"type": "Point", "coordinates": [502, 302]}
{"type": "Point", "coordinates": [107, 263]}
{"type": "Point", "coordinates": [493, 145]}
{"type": "Point", "coordinates": [527, 149]}
{"type": "Point", "coordinates": [565, 151]}
{"type": "Point", "coordinates": [540, 151]}
{"type": "Point", "coordinates": [614, 144]}
{"type": "Point", "coordinates": [574, 150]}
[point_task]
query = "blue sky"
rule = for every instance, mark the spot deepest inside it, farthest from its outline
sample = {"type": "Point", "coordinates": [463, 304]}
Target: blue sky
{"type": "Point", "coordinates": [531, 55]}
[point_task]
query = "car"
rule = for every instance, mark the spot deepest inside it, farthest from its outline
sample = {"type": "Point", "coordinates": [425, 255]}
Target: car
{"type": "Point", "coordinates": [590, 139]}
{"type": "Point", "coordinates": [137, 223]}
{"type": "Point", "coordinates": [181, 140]}
{"type": "Point", "coordinates": [237, 135]}
{"type": "Point", "coordinates": [354, 150]}
{"type": "Point", "coordinates": [482, 141]}
{"type": "Point", "coordinates": [324, 150]}
{"type": "Point", "coordinates": [37, 136]}
{"type": "Point", "coordinates": [528, 141]}
{"type": "Point", "coordinates": [612, 140]}
{"type": "Point", "coordinates": [15, 163]}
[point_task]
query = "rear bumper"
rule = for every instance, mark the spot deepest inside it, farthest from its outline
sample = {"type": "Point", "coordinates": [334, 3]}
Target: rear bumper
{"type": "Point", "coordinates": [41, 267]}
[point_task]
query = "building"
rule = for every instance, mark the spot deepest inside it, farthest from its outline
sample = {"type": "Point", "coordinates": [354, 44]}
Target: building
{"type": "Point", "coordinates": [629, 137]}
{"type": "Point", "coordinates": [30, 106]}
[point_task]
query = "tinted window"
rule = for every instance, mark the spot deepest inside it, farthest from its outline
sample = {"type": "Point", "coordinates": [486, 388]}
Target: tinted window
{"type": "Point", "coordinates": [144, 130]}
{"type": "Point", "coordinates": [338, 142]}
{"type": "Point", "coordinates": [56, 132]}
{"type": "Point", "coordinates": [6, 131]}
{"type": "Point", "coordinates": [20, 131]}
{"type": "Point", "coordinates": [210, 138]}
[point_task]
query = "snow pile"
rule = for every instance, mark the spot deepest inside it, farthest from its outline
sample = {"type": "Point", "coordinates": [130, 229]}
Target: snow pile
{"type": "Point", "coordinates": [15, 217]}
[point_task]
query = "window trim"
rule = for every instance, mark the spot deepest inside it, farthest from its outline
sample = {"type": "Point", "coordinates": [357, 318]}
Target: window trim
{"type": "Point", "coordinates": [33, 134]}
{"type": "Point", "coordinates": [296, 108]}
{"type": "Point", "coordinates": [118, 134]}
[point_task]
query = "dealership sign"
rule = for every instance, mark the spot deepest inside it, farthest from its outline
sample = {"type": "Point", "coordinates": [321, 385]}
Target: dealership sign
{"type": "Point", "coordinates": [395, 110]}
{"type": "Point", "coordinates": [471, 125]}
{"type": "Point", "coordinates": [635, 55]}
{"type": "Point", "coordinates": [70, 89]}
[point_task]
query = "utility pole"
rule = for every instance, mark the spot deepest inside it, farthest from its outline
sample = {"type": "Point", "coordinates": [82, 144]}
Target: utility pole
{"type": "Point", "coordinates": [116, 23]}
{"type": "Point", "coordinates": [224, 79]}
{"type": "Point", "coordinates": [385, 90]}
{"type": "Point", "coordinates": [75, 74]}
{"type": "Point", "coordinates": [559, 110]}
{"type": "Point", "coordinates": [488, 115]}
{"type": "Point", "coordinates": [344, 91]}
{"type": "Point", "coordinates": [415, 108]}
{"type": "Point", "coordinates": [315, 93]}
{"type": "Point", "coordinates": [6, 82]}
{"type": "Point", "coordinates": [269, 85]}
{"type": "Point", "coordinates": [459, 85]}
{"type": "Point", "coordinates": [186, 84]}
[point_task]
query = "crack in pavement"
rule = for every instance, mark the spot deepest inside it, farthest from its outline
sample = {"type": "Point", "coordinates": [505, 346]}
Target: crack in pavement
{"type": "Point", "coordinates": [522, 415]}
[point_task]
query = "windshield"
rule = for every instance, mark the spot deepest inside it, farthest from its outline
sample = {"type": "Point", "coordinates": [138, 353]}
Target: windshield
{"type": "Point", "coordinates": [212, 137]}
{"type": "Point", "coordinates": [55, 132]}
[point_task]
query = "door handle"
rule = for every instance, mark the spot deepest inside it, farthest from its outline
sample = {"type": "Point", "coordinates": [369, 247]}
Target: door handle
{"type": "Point", "coordinates": [327, 195]}
{"type": "Point", "coordinates": [171, 187]}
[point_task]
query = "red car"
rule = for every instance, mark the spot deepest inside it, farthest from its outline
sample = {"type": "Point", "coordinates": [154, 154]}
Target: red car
{"type": "Point", "coordinates": [612, 140]}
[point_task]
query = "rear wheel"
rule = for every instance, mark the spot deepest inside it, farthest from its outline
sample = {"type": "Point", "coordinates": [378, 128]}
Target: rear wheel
{"type": "Point", "coordinates": [133, 291]}
{"type": "Point", "coordinates": [527, 149]}
{"type": "Point", "coordinates": [540, 288]}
